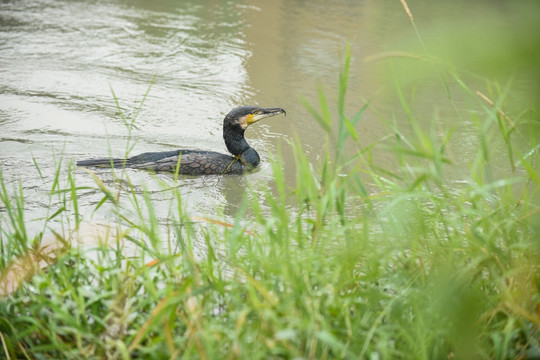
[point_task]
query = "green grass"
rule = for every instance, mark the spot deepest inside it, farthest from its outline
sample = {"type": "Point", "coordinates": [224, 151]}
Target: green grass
{"type": "Point", "coordinates": [371, 261]}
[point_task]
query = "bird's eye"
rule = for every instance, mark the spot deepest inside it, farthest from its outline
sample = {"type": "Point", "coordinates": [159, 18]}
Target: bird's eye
{"type": "Point", "coordinates": [255, 112]}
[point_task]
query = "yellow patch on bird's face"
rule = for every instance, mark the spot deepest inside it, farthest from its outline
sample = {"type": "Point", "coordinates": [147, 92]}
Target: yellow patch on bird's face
{"type": "Point", "coordinates": [254, 117]}
{"type": "Point", "coordinates": [250, 119]}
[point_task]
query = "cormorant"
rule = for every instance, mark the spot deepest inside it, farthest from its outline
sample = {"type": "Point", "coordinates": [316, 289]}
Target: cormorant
{"type": "Point", "coordinates": [196, 162]}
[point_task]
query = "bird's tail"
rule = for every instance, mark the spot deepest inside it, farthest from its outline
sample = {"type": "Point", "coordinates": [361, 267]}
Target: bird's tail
{"type": "Point", "coordinates": [104, 163]}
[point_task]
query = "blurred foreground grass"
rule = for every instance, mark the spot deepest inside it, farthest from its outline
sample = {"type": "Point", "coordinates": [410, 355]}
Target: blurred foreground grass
{"type": "Point", "coordinates": [407, 261]}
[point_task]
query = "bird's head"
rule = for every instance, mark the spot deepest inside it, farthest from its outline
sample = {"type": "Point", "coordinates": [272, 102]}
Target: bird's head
{"type": "Point", "coordinates": [246, 115]}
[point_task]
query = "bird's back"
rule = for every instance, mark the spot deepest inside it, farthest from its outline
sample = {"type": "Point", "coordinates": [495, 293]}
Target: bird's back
{"type": "Point", "coordinates": [191, 162]}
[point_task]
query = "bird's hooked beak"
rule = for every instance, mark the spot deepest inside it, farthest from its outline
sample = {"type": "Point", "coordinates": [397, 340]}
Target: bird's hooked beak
{"type": "Point", "coordinates": [264, 113]}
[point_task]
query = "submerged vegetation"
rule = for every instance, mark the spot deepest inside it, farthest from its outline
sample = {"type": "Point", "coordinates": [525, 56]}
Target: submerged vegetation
{"type": "Point", "coordinates": [400, 261]}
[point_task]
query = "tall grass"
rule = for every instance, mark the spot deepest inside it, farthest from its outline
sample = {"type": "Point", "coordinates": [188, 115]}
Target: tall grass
{"type": "Point", "coordinates": [371, 262]}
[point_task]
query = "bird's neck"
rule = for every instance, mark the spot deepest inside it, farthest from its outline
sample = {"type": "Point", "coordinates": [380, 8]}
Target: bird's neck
{"type": "Point", "coordinates": [238, 146]}
{"type": "Point", "coordinates": [236, 143]}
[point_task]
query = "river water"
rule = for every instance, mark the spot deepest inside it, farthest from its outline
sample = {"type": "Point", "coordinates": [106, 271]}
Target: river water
{"type": "Point", "coordinates": [63, 65]}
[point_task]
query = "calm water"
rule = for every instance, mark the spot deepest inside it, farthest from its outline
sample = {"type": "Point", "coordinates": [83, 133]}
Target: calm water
{"type": "Point", "coordinates": [61, 60]}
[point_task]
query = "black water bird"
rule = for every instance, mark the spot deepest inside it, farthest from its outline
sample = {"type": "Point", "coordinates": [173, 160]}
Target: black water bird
{"type": "Point", "coordinates": [196, 162]}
